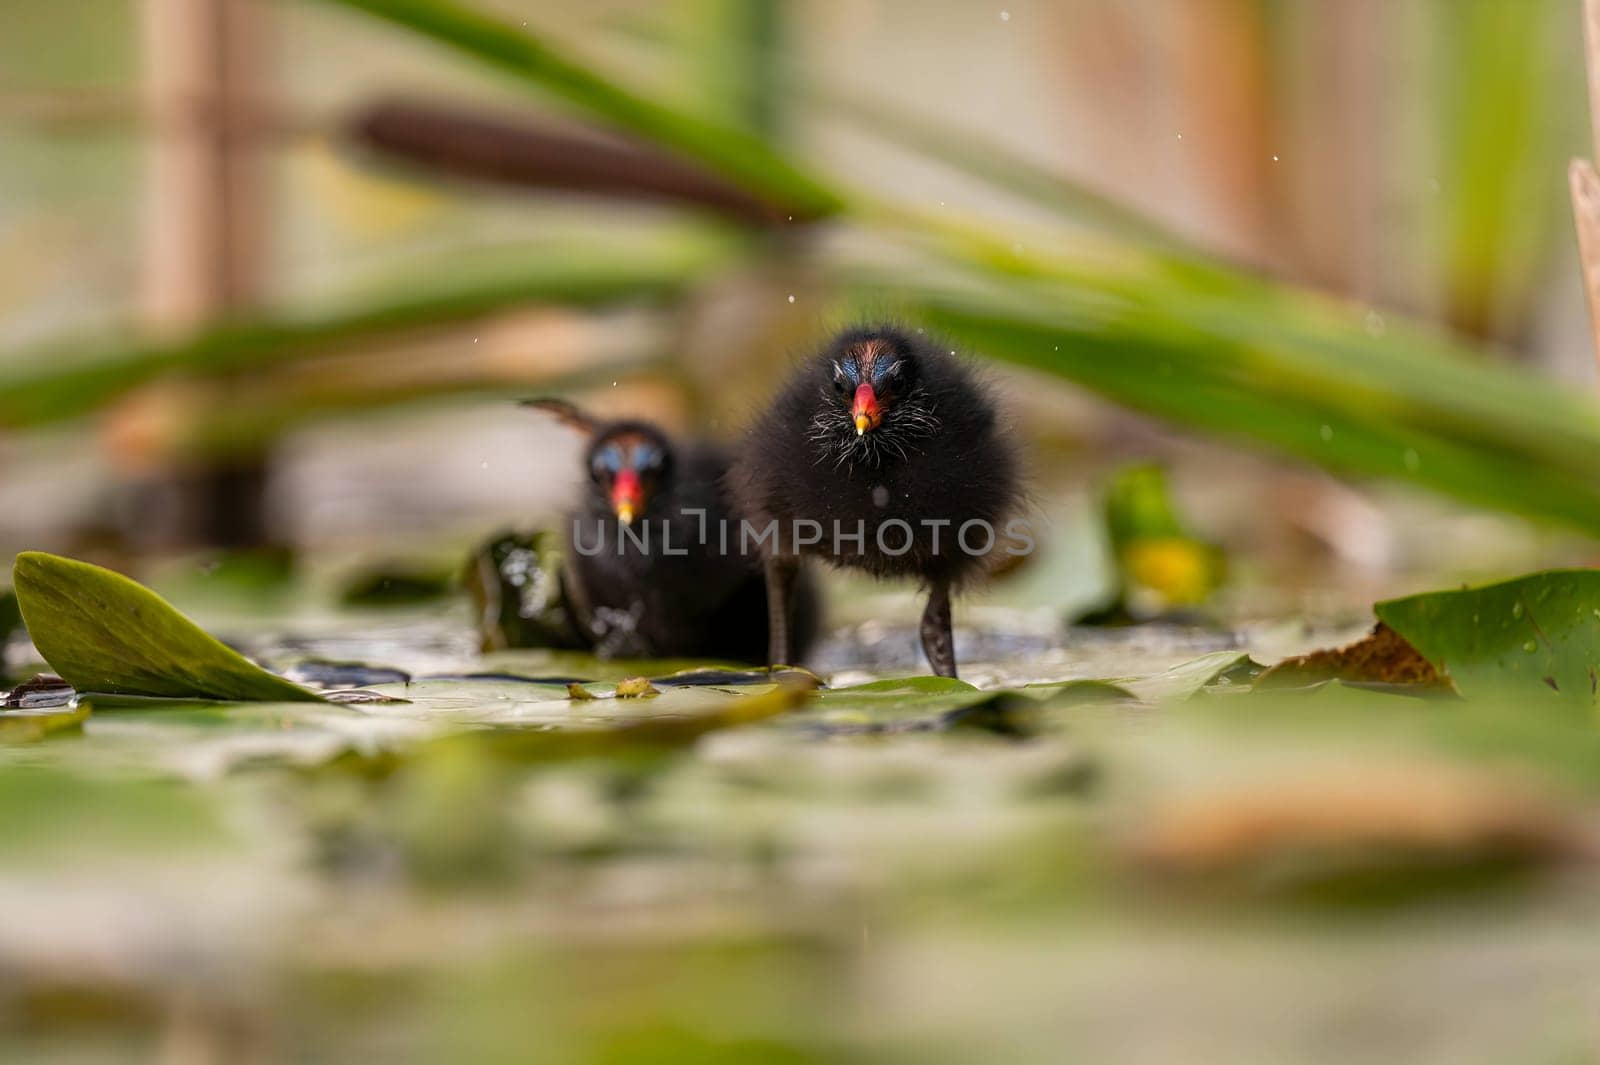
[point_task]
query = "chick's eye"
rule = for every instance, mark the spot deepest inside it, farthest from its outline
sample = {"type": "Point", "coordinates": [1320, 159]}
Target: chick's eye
{"type": "Point", "coordinates": [841, 383]}
{"type": "Point", "coordinates": [607, 462]}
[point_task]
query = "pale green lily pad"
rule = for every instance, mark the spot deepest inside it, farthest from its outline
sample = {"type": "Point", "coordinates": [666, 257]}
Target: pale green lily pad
{"type": "Point", "coordinates": [105, 633]}
{"type": "Point", "coordinates": [203, 741]}
{"type": "Point", "coordinates": [30, 726]}
{"type": "Point", "coordinates": [935, 703]}
{"type": "Point", "coordinates": [1180, 682]}
{"type": "Point", "coordinates": [1188, 679]}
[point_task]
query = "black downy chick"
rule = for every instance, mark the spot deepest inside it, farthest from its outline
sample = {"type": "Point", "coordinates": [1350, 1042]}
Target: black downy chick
{"type": "Point", "coordinates": [886, 435]}
{"type": "Point", "coordinates": [646, 571]}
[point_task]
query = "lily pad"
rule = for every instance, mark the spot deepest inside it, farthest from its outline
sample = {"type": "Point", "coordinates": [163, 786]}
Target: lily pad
{"type": "Point", "coordinates": [696, 712]}
{"type": "Point", "coordinates": [1538, 634]}
{"type": "Point", "coordinates": [105, 633]}
{"type": "Point", "coordinates": [30, 726]}
{"type": "Point", "coordinates": [1188, 679]}
{"type": "Point", "coordinates": [1381, 659]}
{"type": "Point", "coordinates": [922, 704]}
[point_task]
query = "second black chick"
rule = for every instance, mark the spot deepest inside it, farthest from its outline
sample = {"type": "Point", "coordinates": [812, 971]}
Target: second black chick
{"type": "Point", "coordinates": [894, 448]}
{"type": "Point", "coordinates": [648, 571]}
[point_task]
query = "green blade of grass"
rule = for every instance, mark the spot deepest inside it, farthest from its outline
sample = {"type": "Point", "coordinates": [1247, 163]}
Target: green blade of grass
{"type": "Point", "coordinates": [1221, 385]}
{"type": "Point", "coordinates": [1289, 339]}
{"type": "Point", "coordinates": [62, 382]}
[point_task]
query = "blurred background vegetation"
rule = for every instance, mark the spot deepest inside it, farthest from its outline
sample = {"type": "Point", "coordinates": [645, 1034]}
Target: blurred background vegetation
{"type": "Point", "coordinates": [270, 270]}
{"type": "Point", "coordinates": [1284, 300]}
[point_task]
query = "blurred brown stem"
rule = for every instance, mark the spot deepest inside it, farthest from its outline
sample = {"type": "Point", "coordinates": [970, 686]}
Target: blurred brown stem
{"type": "Point", "coordinates": [207, 222]}
{"type": "Point", "coordinates": [524, 154]}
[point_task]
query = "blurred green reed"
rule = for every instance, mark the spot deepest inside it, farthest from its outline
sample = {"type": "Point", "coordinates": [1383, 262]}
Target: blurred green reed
{"type": "Point", "coordinates": [1111, 302]}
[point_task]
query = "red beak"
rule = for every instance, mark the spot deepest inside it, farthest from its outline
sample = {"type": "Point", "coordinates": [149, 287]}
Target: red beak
{"type": "Point", "coordinates": [866, 410]}
{"type": "Point", "coordinates": [627, 498]}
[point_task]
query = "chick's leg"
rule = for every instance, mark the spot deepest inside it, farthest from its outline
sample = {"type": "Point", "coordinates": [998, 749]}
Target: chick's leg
{"type": "Point", "coordinates": [781, 572]}
{"type": "Point", "coordinates": [937, 641]}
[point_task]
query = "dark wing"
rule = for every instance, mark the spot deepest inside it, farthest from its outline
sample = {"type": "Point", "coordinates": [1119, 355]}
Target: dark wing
{"type": "Point", "coordinates": [565, 413]}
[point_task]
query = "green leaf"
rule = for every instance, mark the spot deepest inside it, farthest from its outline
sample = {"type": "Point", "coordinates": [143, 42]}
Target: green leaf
{"type": "Point", "coordinates": [1536, 635]}
{"type": "Point", "coordinates": [1160, 564]}
{"type": "Point", "coordinates": [61, 381]}
{"type": "Point", "coordinates": [893, 702]}
{"type": "Point", "coordinates": [1300, 384]}
{"type": "Point", "coordinates": [1190, 678]}
{"type": "Point", "coordinates": [105, 633]}
{"type": "Point", "coordinates": [910, 686]}
{"type": "Point", "coordinates": [938, 703]}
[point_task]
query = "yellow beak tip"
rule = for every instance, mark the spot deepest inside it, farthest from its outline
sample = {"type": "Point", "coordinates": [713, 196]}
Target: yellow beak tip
{"type": "Point", "coordinates": [863, 423]}
{"type": "Point", "coordinates": [625, 515]}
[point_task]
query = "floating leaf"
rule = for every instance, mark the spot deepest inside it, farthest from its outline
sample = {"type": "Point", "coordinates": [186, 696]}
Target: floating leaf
{"type": "Point", "coordinates": [105, 633]}
{"type": "Point", "coordinates": [701, 711]}
{"type": "Point", "coordinates": [1538, 634]}
{"type": "Point", "coordinates": [30, 726]}
{"type": "Point", "coordinates": [579, 694]}
{"type": "Point", "coordinates": [886, 702]}
{"type": "Point", "coordinates": [1189, 678]}
{"type": "Point", "coordinates": [363, 697]}
{"type": "Point", "coordinates": [899, 686]}
{"type": "Point", "coordinates": [1180, 682]}
{"type": "Point", "coordinates": [722, 677]}
{"type": "Point", "coordinates": [1382, 657]}
{"type": "Point", "coordinates": [925, 704]}
{"type": "Point", "coordinates": [636, 688]}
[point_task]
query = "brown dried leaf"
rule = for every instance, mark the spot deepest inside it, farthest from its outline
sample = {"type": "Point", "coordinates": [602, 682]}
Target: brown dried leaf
{"type": "Point", "coordinates": [1381, 657]}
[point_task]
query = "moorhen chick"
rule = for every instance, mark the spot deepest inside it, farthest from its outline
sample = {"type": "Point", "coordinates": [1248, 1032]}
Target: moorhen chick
{"type": "Point", "coordinates": [893, 447]}
{"type": "Point", "coordinates": [649, 571]}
